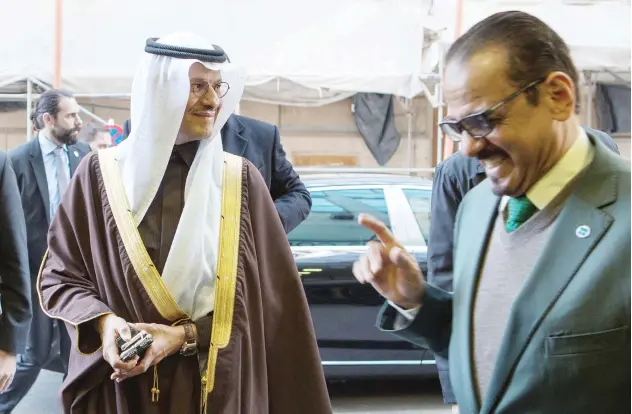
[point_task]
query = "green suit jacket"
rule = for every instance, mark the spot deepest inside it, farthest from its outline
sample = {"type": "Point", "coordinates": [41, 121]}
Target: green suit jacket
{"type": "Point", "coordinates": [566, 347]}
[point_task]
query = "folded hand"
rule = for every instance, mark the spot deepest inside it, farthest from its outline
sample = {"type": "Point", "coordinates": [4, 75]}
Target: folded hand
{"type": "Point", "coordinates": [167, 341]}
{"type": "Point", "coordinates": [111, 327]}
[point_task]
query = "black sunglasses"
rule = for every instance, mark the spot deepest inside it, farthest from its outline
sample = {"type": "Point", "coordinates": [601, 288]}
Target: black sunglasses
{"type": "Point", "coordinates": [479, 125]}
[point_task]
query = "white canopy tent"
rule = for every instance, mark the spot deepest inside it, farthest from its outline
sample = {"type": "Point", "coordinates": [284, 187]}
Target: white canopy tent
{"type": "Point", "coordinates": [597, 32]}
{"type": "Point", "coordinates": [296, 53]}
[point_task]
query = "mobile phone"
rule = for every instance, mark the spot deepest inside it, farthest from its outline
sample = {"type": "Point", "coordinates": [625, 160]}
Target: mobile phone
{"type": "Point", "coordinates": [136, 346]}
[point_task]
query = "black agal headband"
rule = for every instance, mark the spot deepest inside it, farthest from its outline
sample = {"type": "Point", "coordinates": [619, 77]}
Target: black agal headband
{"type": "Point", "coordinates": [216, 55]}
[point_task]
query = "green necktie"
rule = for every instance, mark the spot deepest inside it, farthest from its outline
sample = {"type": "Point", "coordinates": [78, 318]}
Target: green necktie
{"type": "Point", "coordinates": [519, 210]}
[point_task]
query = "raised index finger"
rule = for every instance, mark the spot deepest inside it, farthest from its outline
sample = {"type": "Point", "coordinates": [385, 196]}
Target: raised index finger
{"type": "Point", "coordinates": [381, 231]}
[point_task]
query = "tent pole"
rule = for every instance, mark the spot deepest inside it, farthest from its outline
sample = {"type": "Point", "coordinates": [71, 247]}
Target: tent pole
{"type": "Point", "coordinates": [17, 97]}
{"type": "Point", "coordinates": [617, 77]}
{"type": "Point", "coordinates": [40, 84]}
{"type": "Point", "coordinates": [11, 81]}
{"type": "Point", "coordinates": [93, 116]}
{"type": "Point", "coordinates": [81, 108]}
{"type": "Point", "coordinates": [449, 147]}
{"type": "Point", "coordinates": [439, 93]}
{"type": "Point", "coordinates": [589, 99]}
{"type": "Point", "coordinates": [121, 95]}
{"type": "Point", "coordinates": [409, 118]}
{"type": "Point", "coordinates": [58, 31]}
{"type": "Point", "coordinates": [459, 18]}
{"type": "Point", "coordinates": [29, 107]}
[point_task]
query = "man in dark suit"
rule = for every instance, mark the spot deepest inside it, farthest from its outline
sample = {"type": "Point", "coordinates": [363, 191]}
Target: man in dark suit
{"type": "Point", "coordinates": [454, 178]}
{"type": "Point", "coordinates": [15, 283]}
{"type": "Point", "coordinates": [260, 143]}
{"type": "Point", "coordinates": [43, 169]}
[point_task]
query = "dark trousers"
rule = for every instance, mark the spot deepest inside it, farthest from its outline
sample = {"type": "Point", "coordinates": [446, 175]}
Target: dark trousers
{"type": "Point", "coordinates": [48, 347]}
{"type": "Point", "coordinates": [444, 378]}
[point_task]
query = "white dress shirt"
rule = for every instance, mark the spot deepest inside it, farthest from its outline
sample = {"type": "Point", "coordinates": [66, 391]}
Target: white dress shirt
{"type": "Point", "coordinates": [49, 148]}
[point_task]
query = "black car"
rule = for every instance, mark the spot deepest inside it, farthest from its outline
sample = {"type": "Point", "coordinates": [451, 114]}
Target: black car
{"type": "Point", "coordinates": [325, 247]}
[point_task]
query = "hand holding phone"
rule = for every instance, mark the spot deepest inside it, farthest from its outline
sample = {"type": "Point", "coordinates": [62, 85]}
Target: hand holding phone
{"type": "Point", "coordinates": [136, 346]}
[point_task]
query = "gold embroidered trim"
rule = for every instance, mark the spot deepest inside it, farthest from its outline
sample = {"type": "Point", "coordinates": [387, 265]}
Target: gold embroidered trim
{"type": "Point", "coordinates": [76, 325]}
{"type": "Point", "coordinates": [155, 390]}
{"type": "Point", "coordinates": [142, 263]}
{"type": "Point", "coordinates": [228, 255]}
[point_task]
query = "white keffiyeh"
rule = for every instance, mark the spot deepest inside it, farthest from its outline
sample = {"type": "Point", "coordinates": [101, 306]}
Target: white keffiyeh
{"type": "Point", "coordinates": [160, 92]}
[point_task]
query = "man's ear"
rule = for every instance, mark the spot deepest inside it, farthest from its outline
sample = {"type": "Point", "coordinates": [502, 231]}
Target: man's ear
{"type": "Point", "coordinates": [559, 93]}
{"type": "Point", "coordinates": [47, 118]}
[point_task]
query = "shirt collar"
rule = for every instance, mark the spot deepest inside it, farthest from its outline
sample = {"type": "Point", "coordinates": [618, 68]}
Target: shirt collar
{"type": "Point", "coordinates": [543, 192]}
{"type": "Point", "coordinates": [563, 172]}
{"type": "Point", "coordinates": [187, 151]}
{"type": "Point", "coordinates": [47, 145]}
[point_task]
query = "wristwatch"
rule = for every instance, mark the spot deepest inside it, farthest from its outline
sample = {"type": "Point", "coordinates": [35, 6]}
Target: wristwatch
{"type": "Point", "coordinates": [189, 347]}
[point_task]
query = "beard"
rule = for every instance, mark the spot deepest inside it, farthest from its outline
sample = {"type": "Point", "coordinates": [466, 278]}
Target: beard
{"type": "Point", "coordinates": [64, 135]}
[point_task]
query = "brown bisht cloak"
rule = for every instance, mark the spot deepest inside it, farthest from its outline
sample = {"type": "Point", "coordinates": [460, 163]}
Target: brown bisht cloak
{"type": "Point", "coordinates": [263, 356]}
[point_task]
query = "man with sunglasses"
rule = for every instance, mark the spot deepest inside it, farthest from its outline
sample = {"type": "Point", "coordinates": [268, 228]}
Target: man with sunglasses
{"type": "Point", "coordinates": [453, 178]}
{"type": "Point", "coordinates": [539, 320]}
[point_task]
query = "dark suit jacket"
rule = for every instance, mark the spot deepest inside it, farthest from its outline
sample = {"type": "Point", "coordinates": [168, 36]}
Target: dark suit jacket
{"type": "Point", "coordinates": [127, 128]}
{"type": "Point", "coordinates": [260, 143]}
{"type": "Point", "coordinates": [15, 282]}
{"type": "Point", "coordinates": [28, 164]}
{"type": "Point", "coordinates": [568, 344]}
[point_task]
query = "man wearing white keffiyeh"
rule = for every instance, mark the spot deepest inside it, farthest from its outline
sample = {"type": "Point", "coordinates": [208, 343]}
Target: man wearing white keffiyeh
{"type": "Point", "coordinates": [172, 236]}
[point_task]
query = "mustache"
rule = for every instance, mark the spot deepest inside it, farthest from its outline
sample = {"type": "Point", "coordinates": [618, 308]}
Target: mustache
{"type": "Point", "coordinates": [204, 108]}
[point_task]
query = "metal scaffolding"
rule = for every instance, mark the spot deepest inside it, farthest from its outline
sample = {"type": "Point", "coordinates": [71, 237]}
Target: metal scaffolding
{"type": "Point", "coordinates": [31, 97]}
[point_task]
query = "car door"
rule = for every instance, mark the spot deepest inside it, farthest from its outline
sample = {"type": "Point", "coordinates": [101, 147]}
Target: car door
{"type": "Point", "coordinates": [325, 247]}
{"type": "Point", "coordinates": [417, 199]}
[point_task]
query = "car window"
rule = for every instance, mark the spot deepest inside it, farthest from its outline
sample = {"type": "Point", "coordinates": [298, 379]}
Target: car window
{"type": "Point", "coordinates": [419, 200]}
{"type": "Point", "coordinates": [333, 220]}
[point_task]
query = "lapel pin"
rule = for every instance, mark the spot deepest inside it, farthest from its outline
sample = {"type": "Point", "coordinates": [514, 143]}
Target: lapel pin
{"type": "Point", "coordinates": [582, 231]}
{"type": "Point", "coordinates": [76, 154]}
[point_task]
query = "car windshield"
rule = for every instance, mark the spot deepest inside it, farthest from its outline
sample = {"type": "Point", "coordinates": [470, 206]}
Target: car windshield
{"type": "Point", "coordinates": [333, 220]}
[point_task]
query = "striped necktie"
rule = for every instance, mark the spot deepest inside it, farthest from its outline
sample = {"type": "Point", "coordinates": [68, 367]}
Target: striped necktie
{"type": "Point", "coordinates": [519, 210]}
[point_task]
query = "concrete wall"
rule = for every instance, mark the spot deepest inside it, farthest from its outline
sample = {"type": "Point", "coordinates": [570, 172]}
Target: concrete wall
{"type": "Point", "coordinates": [331, 131]}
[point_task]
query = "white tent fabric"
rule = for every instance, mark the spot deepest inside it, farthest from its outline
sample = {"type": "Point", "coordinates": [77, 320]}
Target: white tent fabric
{"type": "Point", "coordinates": [27, 42]}
{"type": "Point", "coordinates": [301, 53]}
{"type": "Point", "coordinates": [597, 31]}
{"type": "Point", "coordinates": [297, 53]}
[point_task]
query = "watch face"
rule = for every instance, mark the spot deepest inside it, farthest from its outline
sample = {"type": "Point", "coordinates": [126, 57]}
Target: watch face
{"type": "Point", "coordinates": [188, 349]}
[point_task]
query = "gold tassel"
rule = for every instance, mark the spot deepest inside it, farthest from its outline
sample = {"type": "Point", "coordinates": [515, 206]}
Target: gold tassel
{"type": "Point", "coordinates": [203, 396]}
{"type": "Point", "coordinates": [155, 391]}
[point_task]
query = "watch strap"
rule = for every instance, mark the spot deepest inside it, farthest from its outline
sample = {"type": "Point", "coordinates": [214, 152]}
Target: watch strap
{"type": "Point", "coordinates": [189, 333]}
{"type": "Point", "coordinates": [189, 347]}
